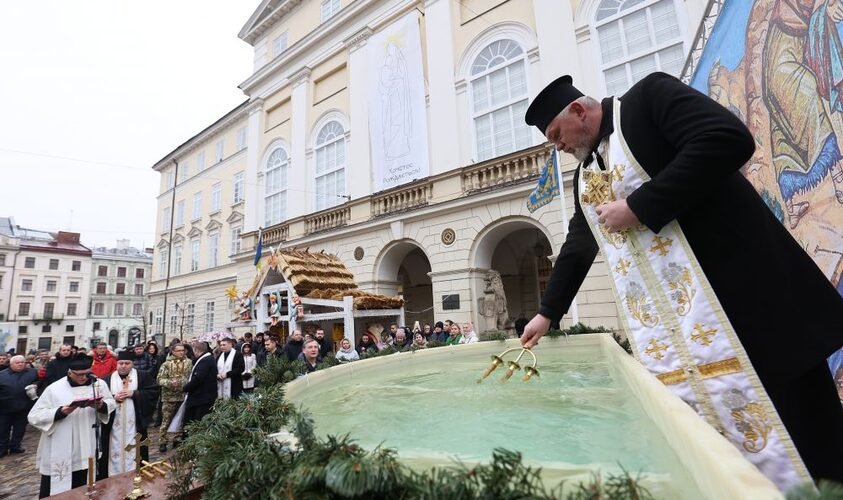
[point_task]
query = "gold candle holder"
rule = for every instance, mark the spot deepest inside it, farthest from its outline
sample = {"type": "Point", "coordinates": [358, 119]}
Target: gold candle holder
{"type": "Point", "coordinates": [513, 366]}
{"type": "Point", "coordinates": [137, 490]}
{"type": "Point", "coordinates": [137, 482]}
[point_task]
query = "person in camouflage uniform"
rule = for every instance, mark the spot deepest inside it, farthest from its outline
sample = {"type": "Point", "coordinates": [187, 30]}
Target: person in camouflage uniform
{"type": "Point", "coordinates": [171, 377]}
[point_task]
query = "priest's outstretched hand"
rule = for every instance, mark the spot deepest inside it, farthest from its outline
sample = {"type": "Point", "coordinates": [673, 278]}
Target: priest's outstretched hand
{"type": "Point", "coordinates": [534, 330]}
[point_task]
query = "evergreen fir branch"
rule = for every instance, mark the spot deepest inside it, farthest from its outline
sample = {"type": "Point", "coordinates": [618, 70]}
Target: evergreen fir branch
{"type": "Point", "coordinates": [278, 370]}
{"type": "Point", "coordinates": [576, 329]}
{"type": "Point", "coordinates": [489, 335]}
{"type": "Point", "coordinates": [827, 490]}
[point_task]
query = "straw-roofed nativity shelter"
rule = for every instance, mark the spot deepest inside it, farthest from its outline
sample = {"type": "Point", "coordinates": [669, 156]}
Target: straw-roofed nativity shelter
{"type": "Point", "coordinates": [324, 276]}
{"type": "Point", "coordinates": [326, 288]}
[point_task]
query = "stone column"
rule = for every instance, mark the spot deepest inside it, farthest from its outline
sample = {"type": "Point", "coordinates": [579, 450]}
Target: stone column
{"type": "Point", "coordinates": [555, 30]}
{"type": "Point", "coordinates": [443, 129]}
{"type": "Point", "coordinates": [253, 218]}
{"type": "Point", "coordinates": [359, 166]}
{"type": "Point", "coordinates": [298, 176]}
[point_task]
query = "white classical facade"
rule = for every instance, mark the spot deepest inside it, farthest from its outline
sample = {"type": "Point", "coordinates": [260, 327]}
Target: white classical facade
{"type": "Point", "coordinates": [201, 208]}
{"type": "Point", "coordinates": [119, 283]}
{"type": "Point", "coordinates": [332, 112]}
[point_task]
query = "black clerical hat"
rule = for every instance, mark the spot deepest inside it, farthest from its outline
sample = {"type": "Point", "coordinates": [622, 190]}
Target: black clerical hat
{"type": "Point", "coordinates": [126, 355]}
{"type": "Point", "coordinates": [80, 362]}
{"type": "Point", "coordinates": [551, 101]}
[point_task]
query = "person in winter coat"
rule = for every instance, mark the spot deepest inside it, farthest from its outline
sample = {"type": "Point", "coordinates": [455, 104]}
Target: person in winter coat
{"type": "Point", "coordinates": [14, 404]}
{"type": "Point", "coordinates": [346, 352]}
{"type": "Point", "coordinates": [294, 346]}
{"type": "Point", "coordinates": [104, 362]}
{"type": "Point", "coordinates": [455, 336]}
{"type": "Point", "coordinates": [250, 361]}
{"type": "Point", "coordinates": [468, 334]}
{"type": "Point", "coordinates": [366, 344]}
{"type": "Point", "coordinates": [57, 368]}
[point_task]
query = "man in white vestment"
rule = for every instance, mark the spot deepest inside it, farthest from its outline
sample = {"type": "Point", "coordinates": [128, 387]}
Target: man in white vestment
{"type": "Point", "coordinates": [136, 393]}
{"type": "Point", "coordinates": [230, 368]}
{"type": "Point", "coordinates": [65, 414]}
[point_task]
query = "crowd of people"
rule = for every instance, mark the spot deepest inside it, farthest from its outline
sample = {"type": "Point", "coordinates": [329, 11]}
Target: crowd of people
{"type": "Point", "coordinates": [127, 392]}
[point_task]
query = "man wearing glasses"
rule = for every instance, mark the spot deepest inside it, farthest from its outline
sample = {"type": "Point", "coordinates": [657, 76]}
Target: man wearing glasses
{"type": "Point", "coordinates": [65, 414]}
{"type": "Point", "coordinates": [171, 377]}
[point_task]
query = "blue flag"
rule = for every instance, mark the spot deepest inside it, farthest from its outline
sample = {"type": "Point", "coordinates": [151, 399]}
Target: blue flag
{"type": "Point", "coordinates": [548, 185]}
{"type": "Point", "coordinates": [258, 247]}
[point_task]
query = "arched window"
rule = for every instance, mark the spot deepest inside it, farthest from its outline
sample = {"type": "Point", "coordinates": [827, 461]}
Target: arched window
{"type": "Point", "coordinates": [638, 37]}
{"type": "Point", "coordinates": [330, 165]}
{"type": "Point", "coordinates": [275, 204]}
{"type": "Point", "coordinates": [499, 99]}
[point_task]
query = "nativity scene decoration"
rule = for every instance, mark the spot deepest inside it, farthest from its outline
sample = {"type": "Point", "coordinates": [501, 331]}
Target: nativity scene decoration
{"type": "Point", "coordinates": [294, 287]}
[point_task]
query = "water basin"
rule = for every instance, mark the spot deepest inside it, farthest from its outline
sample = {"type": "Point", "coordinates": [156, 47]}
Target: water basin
{"type": "Point", "coordinates": [585, 413]}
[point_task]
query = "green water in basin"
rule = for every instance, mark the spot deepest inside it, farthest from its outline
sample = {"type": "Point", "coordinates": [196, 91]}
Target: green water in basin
{"type": "Point", "coordinates": [574, 419]}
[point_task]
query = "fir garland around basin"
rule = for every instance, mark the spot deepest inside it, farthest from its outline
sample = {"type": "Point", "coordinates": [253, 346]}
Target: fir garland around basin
{"type": "Point", "coordinates": [232, 454]}
{"type": "Point", "coordinates": [236, 452]}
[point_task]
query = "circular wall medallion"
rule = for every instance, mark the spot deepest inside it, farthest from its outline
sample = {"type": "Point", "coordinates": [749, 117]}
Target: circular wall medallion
{"type": "Point", "coordinates": [358, 253]}
{"type": "Point", "coordinates": [449, 236]}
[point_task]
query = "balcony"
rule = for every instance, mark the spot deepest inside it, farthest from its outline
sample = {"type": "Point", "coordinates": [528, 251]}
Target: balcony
{"type": "Point", "coordinates": [276, 234]}
{"type": "Point", "coordinates": [505, 170]}
{"type": "Point", "coordinates": [327, 220]}
{"type": "Point", "coordinates": [47, 318]}
{"type": "Point", "coordinates": [520, 168]}
{"type": "Point", "coordinates": [402, 199]}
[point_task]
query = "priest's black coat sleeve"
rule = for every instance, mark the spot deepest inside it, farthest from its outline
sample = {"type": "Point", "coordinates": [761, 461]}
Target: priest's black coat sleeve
{"type": "Point", "coordinates": [238, 365]}
{"type": "Point", "coordinates": [145, 398]}
{"type": "Point", "coordinates": [572, 264]}
{"type": "Point", "coordinates": [710, 144]}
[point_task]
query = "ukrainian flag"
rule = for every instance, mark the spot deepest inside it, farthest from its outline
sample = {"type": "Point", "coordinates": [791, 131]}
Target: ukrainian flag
{"type": "Point", "coordinates": [259, 247]}
{"type": "Point", "coordinates": [548, 186]}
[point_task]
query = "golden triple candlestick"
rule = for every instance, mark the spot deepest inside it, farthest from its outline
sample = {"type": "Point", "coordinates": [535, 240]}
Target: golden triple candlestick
{"type": "Point", "coordinates": [513, 366]}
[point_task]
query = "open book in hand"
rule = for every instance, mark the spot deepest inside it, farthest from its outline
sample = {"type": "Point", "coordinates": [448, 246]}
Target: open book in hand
{"type": "Point", "coordinates": [85, 403]}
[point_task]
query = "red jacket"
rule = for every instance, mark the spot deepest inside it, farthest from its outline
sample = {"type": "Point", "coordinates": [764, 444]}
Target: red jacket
{"type": "Point", "coordinates": [104, 366]}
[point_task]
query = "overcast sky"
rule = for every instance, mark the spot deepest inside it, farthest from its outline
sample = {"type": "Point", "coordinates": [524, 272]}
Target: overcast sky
{"type": "Point", "coordinates": [93, 92]}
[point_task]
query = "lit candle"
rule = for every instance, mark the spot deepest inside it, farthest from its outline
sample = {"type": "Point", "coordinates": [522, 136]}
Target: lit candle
{"type": "Point", "coordinates": [90, 471]}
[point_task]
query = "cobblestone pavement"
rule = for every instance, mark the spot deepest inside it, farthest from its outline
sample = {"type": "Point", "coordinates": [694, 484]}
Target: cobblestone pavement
{"type": "Point", "coordinates": [20, 479]}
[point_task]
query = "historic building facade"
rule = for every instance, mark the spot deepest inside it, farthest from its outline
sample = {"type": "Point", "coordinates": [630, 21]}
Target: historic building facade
{"type": "Point", "coordinates": [391, 133]}
{"type": "Point", "coordinates": [119, 282]}
{"type": "Point", "coordinates": [49, 289]}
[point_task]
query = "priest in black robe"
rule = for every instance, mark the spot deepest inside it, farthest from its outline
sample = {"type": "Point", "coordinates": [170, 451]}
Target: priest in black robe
{"type": "Point", "coordinates": [143, 393]}
{"type": "Point", "coordinates": [786, 313]}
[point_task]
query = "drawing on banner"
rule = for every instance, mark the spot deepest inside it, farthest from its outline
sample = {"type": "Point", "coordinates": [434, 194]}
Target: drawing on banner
{"type": "Point", "coordinates": [398, 118]}
{"type": "Point", "coordinates": [396, 113]}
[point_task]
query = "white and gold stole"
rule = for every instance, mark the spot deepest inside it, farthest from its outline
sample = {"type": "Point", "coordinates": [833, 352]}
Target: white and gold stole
{"type": "Point", "coordinates": [123, 429]}
{"type": "Point", "coordinates": [677, 327]}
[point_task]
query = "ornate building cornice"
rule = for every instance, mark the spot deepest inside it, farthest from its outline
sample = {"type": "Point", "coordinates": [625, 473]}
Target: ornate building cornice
{"type": "Point", "coordinates": [358, 39]}
{"type": "Point", "coordinates": [260, 22]}
{"type": "Point", "coordinates": [300, 76]}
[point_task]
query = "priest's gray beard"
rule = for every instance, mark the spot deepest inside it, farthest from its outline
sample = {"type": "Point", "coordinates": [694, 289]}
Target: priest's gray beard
{"type": "Point", "coordinates": [581, 154]}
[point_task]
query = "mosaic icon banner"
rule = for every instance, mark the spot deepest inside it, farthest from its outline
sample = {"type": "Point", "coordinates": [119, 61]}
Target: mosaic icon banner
{"type": "Point", "coordinates": [778, 65]}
